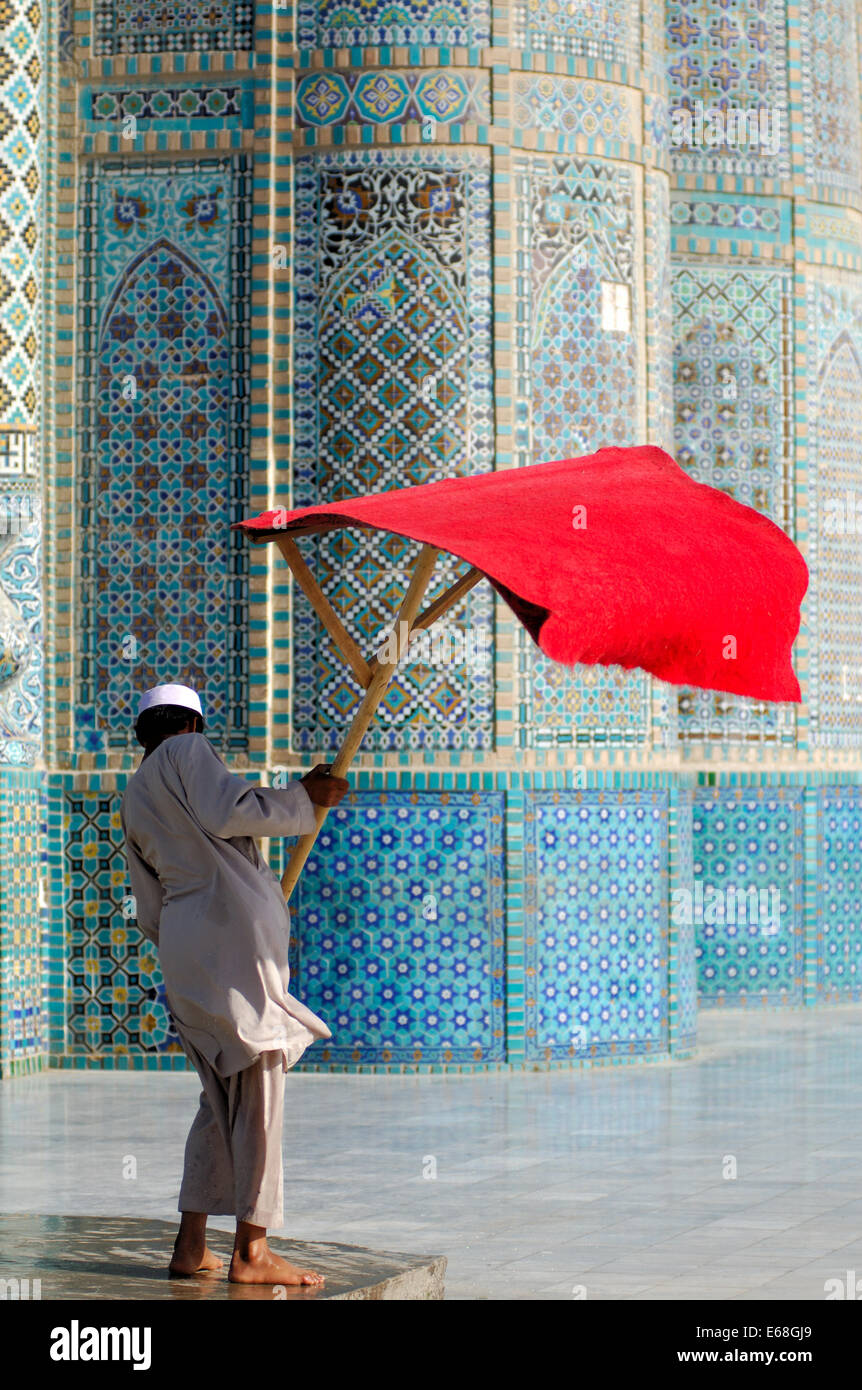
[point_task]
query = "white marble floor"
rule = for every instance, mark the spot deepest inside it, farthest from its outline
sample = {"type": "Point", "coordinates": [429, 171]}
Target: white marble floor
{"type": "Point", "coordinates": [737, 1175]}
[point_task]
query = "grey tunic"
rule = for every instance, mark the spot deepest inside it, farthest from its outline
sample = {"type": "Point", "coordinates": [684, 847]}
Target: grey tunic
{"type": "Point", "coordinates": [212, 906]}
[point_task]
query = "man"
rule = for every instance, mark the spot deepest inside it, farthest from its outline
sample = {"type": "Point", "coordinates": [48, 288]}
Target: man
{"type": "Point", "coordinates": [218, 916]}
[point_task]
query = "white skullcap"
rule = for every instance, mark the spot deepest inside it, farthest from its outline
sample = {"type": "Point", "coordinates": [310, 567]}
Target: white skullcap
{"type": "Point", "coordinates": [170, 695]}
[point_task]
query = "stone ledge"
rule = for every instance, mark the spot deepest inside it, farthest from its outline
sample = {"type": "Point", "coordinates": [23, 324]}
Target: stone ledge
{"type": "Point", "coordinates": [117, 1258]}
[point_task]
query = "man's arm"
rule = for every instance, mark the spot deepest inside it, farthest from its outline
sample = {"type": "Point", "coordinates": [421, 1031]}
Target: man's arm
{"type": "Point", "coordinates": [146, 891]}
{"type": "Point", "coordinates": [226, 805]}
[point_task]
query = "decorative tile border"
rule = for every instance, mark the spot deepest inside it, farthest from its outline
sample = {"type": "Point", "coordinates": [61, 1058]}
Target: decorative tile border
{"type": "Point", "coordinates": [163, 104]}
{"type": "Point", "coordinates": [391, 98]}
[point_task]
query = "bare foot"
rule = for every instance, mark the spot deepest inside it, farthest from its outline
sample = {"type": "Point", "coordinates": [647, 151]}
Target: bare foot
{"type": "Point", "coordinates": [189, 1260]}
{"type": "Point", "coordinates": [265, 1267]}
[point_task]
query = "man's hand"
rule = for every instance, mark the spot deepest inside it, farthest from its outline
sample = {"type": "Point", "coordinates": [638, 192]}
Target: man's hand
{"type": "Point", "coordinates": [323, 788]}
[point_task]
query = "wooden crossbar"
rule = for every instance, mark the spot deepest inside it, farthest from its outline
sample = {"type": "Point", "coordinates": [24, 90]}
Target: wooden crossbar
{"type": "Point", "coordinates": [324, 610]}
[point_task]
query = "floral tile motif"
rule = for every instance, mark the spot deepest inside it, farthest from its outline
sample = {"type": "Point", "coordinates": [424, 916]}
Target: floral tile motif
{"type": "Point", "coordinates": [596, 901]}
{"type": "Point", "coordinates": [384, 98]}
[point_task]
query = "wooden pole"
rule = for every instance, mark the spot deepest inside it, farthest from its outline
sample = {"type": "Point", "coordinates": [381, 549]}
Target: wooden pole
{"type": "Point", "coordinates": [364, 715]}
{"type": "Point", "coordinates": [324, 610]}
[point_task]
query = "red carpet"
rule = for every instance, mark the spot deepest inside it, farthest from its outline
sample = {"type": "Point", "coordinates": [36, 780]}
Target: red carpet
{"type": "Point", "coordinates": [660, 572]}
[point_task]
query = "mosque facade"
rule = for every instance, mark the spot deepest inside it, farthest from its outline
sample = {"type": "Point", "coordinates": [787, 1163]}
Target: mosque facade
{"type": "Point", "coordinates": [263, 254]}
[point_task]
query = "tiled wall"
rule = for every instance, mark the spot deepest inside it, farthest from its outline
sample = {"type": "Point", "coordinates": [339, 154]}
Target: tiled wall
{"type": "Point", "coordinates": [445, 924]}
{"type": "Point", "coordinates": [300, 251]}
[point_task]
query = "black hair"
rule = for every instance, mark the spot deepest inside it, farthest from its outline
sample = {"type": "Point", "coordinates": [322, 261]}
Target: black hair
{"type": "Point", "coordinates": [161, 721]}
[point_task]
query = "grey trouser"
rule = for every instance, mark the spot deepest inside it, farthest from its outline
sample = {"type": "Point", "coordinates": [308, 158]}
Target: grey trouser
{"type": "Point", "coordinates": [233, 1162]}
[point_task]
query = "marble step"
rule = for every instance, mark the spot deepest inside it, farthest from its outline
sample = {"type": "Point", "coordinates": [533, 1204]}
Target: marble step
{"type": "Point", "coordinates": [108, 1258]}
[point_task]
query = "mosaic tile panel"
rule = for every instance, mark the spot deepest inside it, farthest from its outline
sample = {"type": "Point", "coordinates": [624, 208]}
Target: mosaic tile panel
{"type": "Point", "coordinates": [23, 1016]}
{"type": "Point", "coordinates": [731, 366]}
{"type": "Point", "coordinates": [608, 29]}
{"type": "Point", "coordinates": [20, 212]}
{"type": "Point", "coordinates": [596, 950]}
{"type": "Point", "coordinates": [356, 23]}
{"type": "Point", "coordinates": [567, 106]}
{"type": "Point", "coordinates": [577, 378]}
{"type": "Point", "coordinates": [163, 336]}
{"type": "Point", "coordinates": [747, 842]}
{"type": "Point", "coordinates": [392, 387]}
{"type": "Point", "coordinates": [398, 929]}
{"type": "Point", "coordinates": [167, 104]}
{"type": "Point", "coordinates": [835, 503]}
{"type": "Point", "coordinates": [686, 982]}
{"type": "Point", "coordinates": [830, 92]}
{"type": "Point", "coordinates": [839, 890]}
{"type": "Point", "coordinates": [196, 26]}
{"type": "Point", "coordinates": [21, 631]}
{"type": "Point", "coordinates": [727, 69]}
{"type": "Point", "coordinates": [116, 1004]}
{"type": "Point", "coordinates": [383, 98]}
